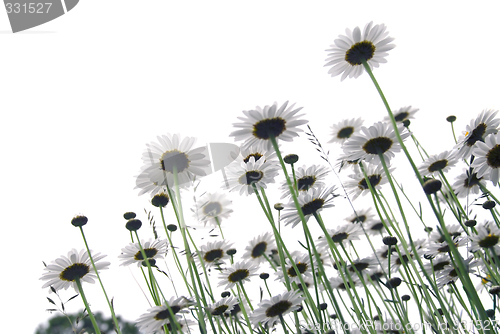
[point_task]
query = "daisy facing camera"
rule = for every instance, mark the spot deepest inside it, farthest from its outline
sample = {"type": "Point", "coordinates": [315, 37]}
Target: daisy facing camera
{"type": "Point", "coordinates": [133, 225]}
{"type": "Point", "coordinates": [79, 221]}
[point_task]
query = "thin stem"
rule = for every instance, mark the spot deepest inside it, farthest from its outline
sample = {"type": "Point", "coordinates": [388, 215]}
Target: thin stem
{"type": "Point", "coordinates": [87, 307]}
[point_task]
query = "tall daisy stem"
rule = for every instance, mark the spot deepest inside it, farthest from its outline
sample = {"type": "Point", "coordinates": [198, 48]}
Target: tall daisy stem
{"type": "Point", "coordinates": [87, 307]}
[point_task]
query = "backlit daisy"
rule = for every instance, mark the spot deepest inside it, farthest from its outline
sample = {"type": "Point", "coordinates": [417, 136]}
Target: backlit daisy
{"type": "Point", "coordinates": [441, 162]}
{"type": "Point", "coordinates": [358, 185]}
{"type": "Point", "coordinates": [467, 184]}
{"type": "Point", "coordinates": [437, 264]}
{"type": "Point", "coordinates": [214, 253]}
{"type": "Point", "coordinates": [339, 284]}
{"type": "Point", "coordinates": [303, 264]}
{"type": "Point", "coordinates": [402, 259]}
{"type": "Point", "coordinates": [487, 237]}
{"type": "Point", "coordinates": [269, 311]}
{"type": "Point", "coordinates": [487, 158]}
{"type": "Point", "coordinates": [213, 208]}
{"type": "Point", "coordinates": [449, 274]}
{"type": "Point", "coordinates": [342, 233]}
{"type": "Point", "coordinates": [262, 123]}
{"type": "Point", "coordinates": [258, 151]}
{"type": "Point", "coordinates": [307, 178]}
{"type": "Point", "coordinates": [239, 272]}
{"type": "Point", "coordinates": [436, 248]}
{"type": "Point", "coordinates": [62, 273]}
{"type": "Point", "coordinates": [311, 202]}
{"type": "Point", "coordinates": [157, 316]}
{"type": "Point", "coordinates": [154, 249]}
{"type": "Point", "coordinates": [453, 230]}
{"type": "Point", "coordinates": [477, 130]}
{"type": "Point", "coordinates": [258, 247]}
{"type": "Point", "coordinates": [169, 153]}
{"type": "Point", "coordinates": [361, 216]}
{"type": "Point", "coordinates": [344, 129]}
{"type": "Point", "coordinates": [402, 114]}
{"type": "Point", "coordinates": [379, 138]}
{"type": "Point", "coordinates": [223, 306]}
{"type": "Point", "coordinates": [242, 177]}
{"type": "Point", "coordinates": [348, 52]}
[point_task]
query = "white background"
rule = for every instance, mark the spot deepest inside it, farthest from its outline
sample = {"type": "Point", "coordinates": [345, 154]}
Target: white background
{"type": "Point", "coordinates": [83, 94]}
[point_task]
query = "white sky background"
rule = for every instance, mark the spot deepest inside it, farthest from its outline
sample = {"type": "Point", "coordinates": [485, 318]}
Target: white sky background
{"type": "Point", "coordinates": [82, 95]}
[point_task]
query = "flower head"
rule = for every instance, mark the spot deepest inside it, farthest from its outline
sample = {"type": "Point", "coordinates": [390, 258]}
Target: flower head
{"type": "Point", "coordinates": [344, 129]}
{"type": "Point", "coordinates": [303, 264]}
{"type": "Point", "coordinates": [63, 272]}
{"type": "Point", "coordinates": [307, 178]}
{"type": "Point", "coordinates": [488, 236]}
{"type": "Point", "coordinates": [467, 183]}
{"type": "Point", "coordinates": [402, 113]}
{"type": "Point", "coordinates": [154, 249]}
{"type": "Point", "coordinates": [214, 208]}
{"type": "Point", "coordinates": [260, 124]}
{"type": "Point", "coordinates": [349, 51]}
{"type": "Point", "coordinates": [223, 306]}
{"type": "Point", "coordinates": [437, 163]}
{"type": "Point", "coordinates": [269, 311]}
{"type": "Point", "coordinates": [484, 124]}
{"type": "Point", "coordinates": [238, 272]}
{"type": "Point", "coordinates": [215, 253]}
{"type": "Point", "coordinates": [487, 158]}
{"type": "Point", "coordinates": [358, 185]}
{"type": "Point", "coordinates": [258, 247]}
{"type": "Point", "coordinates": [158, 316]}
{"type": "Point", "coordinates": [242, 177]}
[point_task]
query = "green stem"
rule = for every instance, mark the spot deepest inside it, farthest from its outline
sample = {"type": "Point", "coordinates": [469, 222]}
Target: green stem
{"type": "Point", "coordinates": [87, 307]}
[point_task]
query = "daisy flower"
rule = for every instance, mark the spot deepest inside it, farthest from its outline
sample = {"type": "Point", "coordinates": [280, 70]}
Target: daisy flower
{"type": "Point", "coordinates": [488, 236]}
{"type": "Point", "coordinates": [169, 153]}
{"type": "Point", "coordinates": [437, 264]}
{"type": "Point", "coordinates": [62, 273]}
{"type": "Point", "coordinates": [215, 253]}
{"type": "Point", "coordinates": [238, 272]}
{"type": "Point", "coordinates": [437, 163]}
{"type": "Point", "coordinates": [436, 248]}
{"type": "Point", "coordinates": [269, 311]}
{"type": "Point", "coordinates": [467, 183]}
{"type": "Point", "coordinates": [258, 247]}
{"type": "Point", "coordinates": [363, 265]}
{"type": "Point", "coordinates": [348, 52]}
{"type": "Point", "coordinates": [262, 123]}
{"type": "Point", "coordinates": [487, 158]}
{"type": "Point", "coordinates": [307, 178]}
{"type": "Point", "coordinates": [361, 216]}
{"type": "Point", "coordinates": [311, 202]}
{"type": "Point", "coordinates": [379, 138]}
{"type": "Point", "coordinates": [339, 284]}
{"type": "Point", "coordinates": [146, 185]}
{"type": "Point", "coordinates": [214, 208]}
{"type": "Point", "coordinates": [342, 234]}
{"type": "Point", "coordinates": [359, 185]}
{"type": "Point", "coordinates": [154, 249]}
{"type": "Point", "coordinates": [303, 264]}
{"type": "Point", "coordinates": [243, 176]}
{"type": "Point", "coordinates": [453, 230]}
{"type": "Point", "coordinates": [477, 130]}
{"type": "Point", "coordinates": [449, 274]}
{"type": "Point", "coordinates": [402, 114]}
{"type": "Point", "coordinates": [344, 129]}
{"type": "Point", "coordinates": [258, 151]}
{"type": "Point", "coordinates": [398, 260]}
{"type": "Point", "coordinates": [223, 306]}
{"type": "Point", "coordinates": [157, 316]}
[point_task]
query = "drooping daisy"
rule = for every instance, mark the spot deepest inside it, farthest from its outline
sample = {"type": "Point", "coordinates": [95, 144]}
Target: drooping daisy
{"type": "Point", "coordinates": [344, 129]}
{"type": "Point", "coordinates": [487, 158]}
{"type": "Point", "coordinates": [311, 202]}
{"type": "Point", "coordinates": [467, 183]}
{"type": "Point", "coordinates": [342, 233]}
{"type": "Point", "coordinates": [214, 253]}
{"type": "Point", "coordinates": [269, 311]}
{"type": "Point", "coordinates": [242, 177]}
{"type": "Point", "coordinates": [307, 178]}
{"type": "Point", "coordinates": [63, 272]}
{"type": "Point", "coordinates": [303, 264]}
{"type": "Point", "coordinates": [223, 306]}
{"type": "Point", "coordinates": [360, 186]}
{"type": "Point", "coordinates": [171, 153]}
{"type": "Point", "coordinates": [157, 316]}
{"type": "Point", "coordinates": [402, 114]}
{"type": "Point", "coordinates": [484, 124]}
{"type": "Point", "coordinates": [262, 123]}
{"type": "Point", "coordinates": [379, 138]}
{"type": "Point", "coordinates": [438, 163]}
{"type": "Point", "coordinates": [258, 247]}
{"type": "Point", "coordinates": [154, 249]}
{"type": "Point", "coordinates": [487, 237]}
{"type": "Point", "coordinates": [213, 208]}
{"type": "Point", "coordinates": [239, 272]}
{"type": "Point", "coordinates": [348, 52]}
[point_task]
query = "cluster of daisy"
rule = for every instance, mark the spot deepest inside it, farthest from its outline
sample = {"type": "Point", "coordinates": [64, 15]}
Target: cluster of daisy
{"type": "Point", "coordinates": [363, 268]}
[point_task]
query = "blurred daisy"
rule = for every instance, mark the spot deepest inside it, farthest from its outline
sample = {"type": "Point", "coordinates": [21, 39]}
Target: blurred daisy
{"type": "Point", "coordinates": [157, 316]}
{"type": "Point", "coordinates": [362, 265]}
{"type": "Point", "coordinates": [307, 178]}
{"type": "Point", "coordinates": [487, 158]}
{"type": "Point", "coordinates": [402, 259]}
{"type": "Point", "coordinates": [488, 236]}
{"type": "Point", "coordinates": [146, 185]}
{"type": "Point", "coordinates": [214, 253]}
{"type": "Point", "coordinates": [436, 248]}
{"type": "Point", "coordinates": [453, 230]}
{"type": "Point", "coordinates": [343, 162]}
{"type": "Point", "coordinates": [262, 123]}
{"type": "Point", "coordinates": [477, 130]}
{"type": "Point", "coordinates": [438, 163]}
{"type": "Point", "coordinates": [269, 311]}
{"type": "Point", "coordinates": [169, 153]}
{"type": "Point", "coordinates": [402, 114]}
{"type": "Point", "coordinates": [339, 284]}
{"type": "Point", "coordinates": [223, 306]}
{"type": "Point", "coordinates": [258, 151]}
{"type": "Point", "coordinates": [242, 177]}
{"type": "Point", "coordinates": [437, 264]}
{"type": "Point", "coordinates": [258, 247]}
{"type": "Point", "coordinates": [62, 273]}
{"type": "Point", "coordinates": [361, 216]}
{"type": "Point", "coordinates": [239, 272]}
{"type": "Point", "coordinates": [358, 185]}
{"type": "Point", "coordinates": [449, 274]}
{"type": "Point", "coordinates": [302, 263]}
{"type": "Point", "coordinates": [342, 234]}
{"type": "Point", "coordinates": [467, 183]}
{"type": "Point", "coordinates": [375, 227]}
{"type": "Point", "coordinates": [379, 138]}
{"type": "Point", "coordinates": [311, 202]}
{"type": "Point", "coordinates": [344, 129]}
{"type": "Point", "coordinates": [214, 208]}
{"type": "Point", "coordinates": [348, 52]}
{"type": "Point", "coordinates": [154, 249]}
